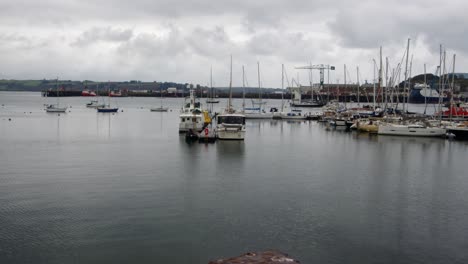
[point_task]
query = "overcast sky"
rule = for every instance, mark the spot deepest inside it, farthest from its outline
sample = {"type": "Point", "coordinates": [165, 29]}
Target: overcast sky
{"type": "Point", "coordinates": [179, 40]}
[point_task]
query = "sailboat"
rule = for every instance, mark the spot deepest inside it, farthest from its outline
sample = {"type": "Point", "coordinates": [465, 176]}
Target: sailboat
{"type": "Point", "coordinates": [161, 108]}
{"type": "Point", "coordinates": [257, 111]}
{"type": "Point", "coordinates": [107, 108]}
{"type": "Point", "coordinates": [295, 114]}
{"type": "Point", "coordinates": [55, 108]}
{"type": "Point", "coordinates": [95, 103]}
{"type": "Point", "coordinates": [230, 125]}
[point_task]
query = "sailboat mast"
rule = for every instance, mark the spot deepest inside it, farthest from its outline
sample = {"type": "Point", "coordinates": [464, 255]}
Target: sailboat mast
{"type": "Point", "coordinates": [56, 87]}
{"type": "Point", "coordinates": [358, 94]}
{"type": "Point", "coordinates": [243, 89]}
{"type": "Point", "coordinates": [373, 80]}
{"type": "Point", "coordinates": [452, 87]}
{"type": "Point", "coordinates": [230, 87]}
{"type": "Point", "coordinates": [386, 82]}
{"type": "Point", "coordinates": [282, 87]}
{"type": "Point", "coordinates": [380, 72]}
{"type": "Point", "coordinates": [259, 85]}
{"type": "Point", "coordinates": [406, 77]}
{"type": "Point", "coordinates": [409, 81]}
{"type": "Point", "coordinates": [211, 88]}
{"type": "Point", "coordinates": [345, 85]}
{"type": "Point", "coordinates": [425, 86]}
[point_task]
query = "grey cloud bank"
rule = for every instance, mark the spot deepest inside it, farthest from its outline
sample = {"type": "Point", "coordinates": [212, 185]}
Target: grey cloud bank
{"type": "Point", "coordinates": [180, 40]}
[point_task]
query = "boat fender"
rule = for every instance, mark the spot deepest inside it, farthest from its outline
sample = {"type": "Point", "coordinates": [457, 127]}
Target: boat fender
{"type": "Point", "coordinates": [450, 135]}
{"type": "Point", "coordinates": [206, 131]}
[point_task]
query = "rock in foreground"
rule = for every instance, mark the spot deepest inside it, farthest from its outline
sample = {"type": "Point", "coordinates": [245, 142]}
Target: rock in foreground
{"type": "Point", "coordinates": [265, 257]}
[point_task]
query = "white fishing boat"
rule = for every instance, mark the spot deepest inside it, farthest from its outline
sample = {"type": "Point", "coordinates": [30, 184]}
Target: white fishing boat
{"type": "Point", "coordinates": [230, 125]}
{"type": "Point", "coordinates": [55, 108]}
{"type": "Point", "coordinates": [191, 116]}
{"type": "Point", "coordinates": [415, 130]}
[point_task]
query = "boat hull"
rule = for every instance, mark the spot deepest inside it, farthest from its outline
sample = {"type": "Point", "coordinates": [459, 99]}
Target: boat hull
{"type": "Point", "coordinates": [159, 109]}
{"type": "Point", "coordinates": [258, 116]}
{"type": "Point", "coordinates": [398, 130]}
{"type": "Point", "coordinates": [107, 110]}
{"type": "Point", "coordinates": [57, 110]}
{"type": "Point", "coordinates": [307, 105]}
{"type": "Point", "coordinates": [231, 134]}
{"type": "Point", "coordinates": [289, 116]}
{"type": "Point", "coordinates": [460, 133]}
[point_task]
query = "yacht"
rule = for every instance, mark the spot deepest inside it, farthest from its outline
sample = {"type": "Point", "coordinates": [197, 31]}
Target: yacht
{"type": "Point", "coordinates": [416, 130]}
{"type": "Point", "coordinates": [94, 104]}
{"type": "Point", "coordinates": [191, 116]}
{"type": "Point", "coordinates": [52, 108]}
{"type": "Point", "coordinates": [257, 111]}
{"type": "Point", "coordinates": [55, 108]}
{"type": "Point", "coordinates": [231, 125]}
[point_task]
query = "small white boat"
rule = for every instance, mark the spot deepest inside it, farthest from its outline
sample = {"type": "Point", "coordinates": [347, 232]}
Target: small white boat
{"type": "Point", "coordinates": [290, 116]}
{"type": "Point", "coordinates": [159, 109]}
{"type": "Point", "coordinates": [51, 108]}
{"type": "Point", "coordinates": [258, 115]}
{"type": "Point", "coordinates": [415, 130]}
{"type": "Point", "coordinates": [55, 108]}
{"type": "Point", "coordinates": [94, 104]}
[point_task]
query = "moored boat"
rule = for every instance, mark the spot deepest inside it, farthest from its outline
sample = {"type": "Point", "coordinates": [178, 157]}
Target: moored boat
{"type": "Point", "coordinates": [415, 130]}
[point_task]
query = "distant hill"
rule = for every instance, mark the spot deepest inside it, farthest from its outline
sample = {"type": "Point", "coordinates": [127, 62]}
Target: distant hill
{"type": "Point", "coordinates": [460, 81]}
{"type": "Point", "coordinates": [43, 85]}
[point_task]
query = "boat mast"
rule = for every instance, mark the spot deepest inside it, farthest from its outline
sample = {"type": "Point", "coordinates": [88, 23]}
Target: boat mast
{"type": "Point", "coordinates": [409, 82]}
{"type": "Point", "coordinates": [373, 94]}
{"type": "Point", "coordinates": [243, 89]}
{"type": "Point", "coordinates": [56, 87]}
{"type": "Point", "coordinates": [345, 84]}
{"type": "Point", "coordinates": [230, 88]}
{"type": "Point", "coordinates": [358, 94]}
{"type": "Point", "coordinates": [386, 82]}
{"type": "Point", "coordinates": [440, 84]}
{"type": "Point", "coordinates": [425, 87]}
{"type": "Point", "coordinates": [452, 87]}
{"type": "Point", "coordinates": [380, 72]}
{"type": "Point", "coordinates": [211, 88]}
{"type": "Point", "coordinates": [259, 88]}
{"type": "Point", "coordinates": [282, 87]}
{"type": "Point", "coordinates": [406, 76]}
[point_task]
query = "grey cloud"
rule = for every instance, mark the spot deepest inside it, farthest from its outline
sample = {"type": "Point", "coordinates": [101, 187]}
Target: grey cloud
{"type": "Point", "coordinates": [177, 39]}
{"type": "Point", "coordinates": [108, 34]}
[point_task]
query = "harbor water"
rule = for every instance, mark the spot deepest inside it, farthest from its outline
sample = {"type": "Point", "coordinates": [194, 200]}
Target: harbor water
{"type": "Point", "coordinates": [84, 187]}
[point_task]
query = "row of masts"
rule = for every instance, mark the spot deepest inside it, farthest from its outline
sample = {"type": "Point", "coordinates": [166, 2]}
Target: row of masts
{"type": "Point", "coordinates": [383, 87]}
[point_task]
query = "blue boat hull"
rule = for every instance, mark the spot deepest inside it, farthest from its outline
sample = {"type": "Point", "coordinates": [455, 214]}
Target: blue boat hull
{"type": "Point", "coordinates": [108, 110]}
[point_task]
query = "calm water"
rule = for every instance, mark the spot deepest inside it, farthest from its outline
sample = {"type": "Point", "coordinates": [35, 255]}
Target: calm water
{"type": "Point", "coordinates": [84, 187]}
